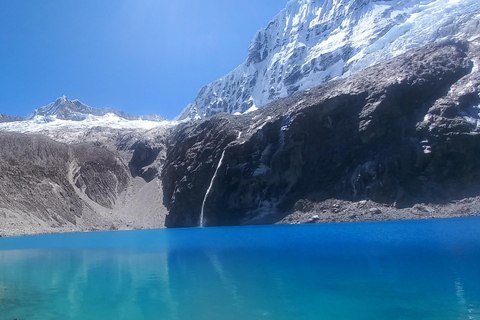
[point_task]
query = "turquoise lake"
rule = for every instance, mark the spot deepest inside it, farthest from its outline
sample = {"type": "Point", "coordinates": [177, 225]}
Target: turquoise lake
{"type": "Point", "coordinates": [426, 269]}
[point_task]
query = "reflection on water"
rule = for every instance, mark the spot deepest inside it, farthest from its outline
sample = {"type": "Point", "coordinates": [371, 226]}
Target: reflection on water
{"type": "Point", "coordinates": [70, 284]}
{"type": "Point", "coordinates": [409, 270]}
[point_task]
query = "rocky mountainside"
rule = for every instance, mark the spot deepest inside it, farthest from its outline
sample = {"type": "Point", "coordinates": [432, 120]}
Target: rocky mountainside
{"type": "Point", "coordinates": [311, 42]}
{"type": "Point", "coordinates": [399, 139]}
{"type": "Point", "coordinates": [400, 133]}
{"type": "Point", "coordinates": [48, 186]}
{"type": "Point", "coordinates": [78, 170]}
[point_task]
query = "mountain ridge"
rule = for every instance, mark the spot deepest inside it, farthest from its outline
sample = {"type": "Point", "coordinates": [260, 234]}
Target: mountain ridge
{"type": "Point", "coordinates": [71, 121]}
{"type": "Point", "coordinates": [75, 110]}
{"type": "Point", "coordinates": [400, 135]}
{"type": "Point", "coordinates": [396, 140]}
{"type": "Point", "coordinates": [311, 42]}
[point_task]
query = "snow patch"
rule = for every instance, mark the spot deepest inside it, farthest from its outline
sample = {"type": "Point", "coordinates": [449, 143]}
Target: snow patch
{"type": "Point", "coordinates": [475, 66]}
{"type": "Point", "coordinates": [51, 123]}
{"type": "Point", "coordinates": [251, 109]}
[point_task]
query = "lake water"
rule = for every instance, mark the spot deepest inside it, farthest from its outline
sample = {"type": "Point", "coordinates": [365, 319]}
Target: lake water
{"type": "Point", "coordinates": [381, 270]}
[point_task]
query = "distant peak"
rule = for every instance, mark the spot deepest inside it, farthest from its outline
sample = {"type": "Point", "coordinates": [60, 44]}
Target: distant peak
{"type": "Point", "coordinates": [62, 99]}
{"type": "Point", "coordinates": [64, 109]}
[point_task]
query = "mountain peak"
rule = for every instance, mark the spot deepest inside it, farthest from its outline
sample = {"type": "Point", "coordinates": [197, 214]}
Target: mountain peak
{"type": "Point", "coordinates": [60, 100]}
{"type": "Point", "coordinates": [65, 109]}
{"type": "Point", "coordinates": [311, 42]}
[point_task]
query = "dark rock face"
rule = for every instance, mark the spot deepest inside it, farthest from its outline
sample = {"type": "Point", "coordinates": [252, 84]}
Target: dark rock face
{"type": "Point", "coordinates": [144, 160]}
{"type": "Point", "coordinates": [400, 133]}
{"type": "Point", "coordinates": [193, 152]}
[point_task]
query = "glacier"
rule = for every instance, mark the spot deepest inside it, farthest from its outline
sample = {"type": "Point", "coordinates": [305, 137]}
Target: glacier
{"type": "Point", "coordinates": [69, 121]}
{"type": "Point", "coordinates": [311, 42]}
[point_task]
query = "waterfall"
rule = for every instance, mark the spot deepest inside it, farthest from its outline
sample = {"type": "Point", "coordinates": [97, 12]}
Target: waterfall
{"type": "Point", "coordinates": [210, 187]}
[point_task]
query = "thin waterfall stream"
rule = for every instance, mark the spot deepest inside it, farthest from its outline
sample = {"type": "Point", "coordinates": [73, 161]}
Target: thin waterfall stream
{"type": "Point", "coordinates": [209, 188]}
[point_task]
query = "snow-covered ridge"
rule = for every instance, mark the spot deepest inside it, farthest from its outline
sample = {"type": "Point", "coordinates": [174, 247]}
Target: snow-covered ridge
{"type": "Point", "coordinates": [52, 123]}
{"type": "Point", "coordinates": [72, 116]}
{"type": "Point", "coordinates": [311, 42]}
{"type": "Point", "coordinates": [66, 109]}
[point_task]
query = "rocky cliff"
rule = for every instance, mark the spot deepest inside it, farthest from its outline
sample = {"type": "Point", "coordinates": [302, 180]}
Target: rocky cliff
{"type": "Point", "coordinates": [400, 133]}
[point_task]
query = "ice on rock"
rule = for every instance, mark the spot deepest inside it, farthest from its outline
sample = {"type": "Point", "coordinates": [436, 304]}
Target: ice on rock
{"type": "Point", "coordinates": [311, 42]}
{"type": "Point", "coordinates": [72, 117]}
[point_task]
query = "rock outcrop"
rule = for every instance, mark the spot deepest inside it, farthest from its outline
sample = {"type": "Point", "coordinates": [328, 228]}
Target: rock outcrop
{"type": "Point", "coordinates": [399, 133]}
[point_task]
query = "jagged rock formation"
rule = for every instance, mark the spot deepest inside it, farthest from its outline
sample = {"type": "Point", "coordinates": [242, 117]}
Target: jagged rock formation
{"type": "Point", "coordinates": [400, 133]}
{"type": "Point", "coordinates": [311, 42]}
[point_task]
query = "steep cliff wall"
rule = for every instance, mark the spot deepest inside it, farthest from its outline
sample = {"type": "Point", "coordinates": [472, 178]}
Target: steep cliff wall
{"type": "Point", "coordinates": [400, 133]}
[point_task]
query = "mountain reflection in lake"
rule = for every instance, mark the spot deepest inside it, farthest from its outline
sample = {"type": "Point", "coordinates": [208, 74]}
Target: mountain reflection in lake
{"type": "Point", "coordinates": [389, 270]}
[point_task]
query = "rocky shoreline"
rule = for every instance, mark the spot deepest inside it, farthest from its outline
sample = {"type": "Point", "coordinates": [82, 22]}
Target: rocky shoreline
{"type": "Point", "coordinates": [308, 212]}
{"type": "Point", "coordinates": [333, 210]}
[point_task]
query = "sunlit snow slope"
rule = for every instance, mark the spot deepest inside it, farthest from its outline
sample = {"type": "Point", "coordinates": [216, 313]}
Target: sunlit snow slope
{"type": "Point", "coordinates": [313, 41]}
{"type": "Point", "coordinates": [67, 121]}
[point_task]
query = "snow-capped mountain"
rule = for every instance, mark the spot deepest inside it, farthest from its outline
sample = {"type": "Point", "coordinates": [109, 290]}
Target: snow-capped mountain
{"type": "Point", "coordinates": [311, 42]}
{"type": "Point", "coordinates": [65, 109]}
{"type": "Point", "coordinates": [71, 167]}
{"type": "Point", "coordinates": [72, 121]}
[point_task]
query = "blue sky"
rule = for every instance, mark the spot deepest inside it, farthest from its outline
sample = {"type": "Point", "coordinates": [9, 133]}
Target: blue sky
{"type": "Point", "coordinates": [139, 56]}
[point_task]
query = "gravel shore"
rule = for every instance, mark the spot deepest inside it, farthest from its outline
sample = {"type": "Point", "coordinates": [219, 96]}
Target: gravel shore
{"type": "Point", "coordinates": [333, 210]}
